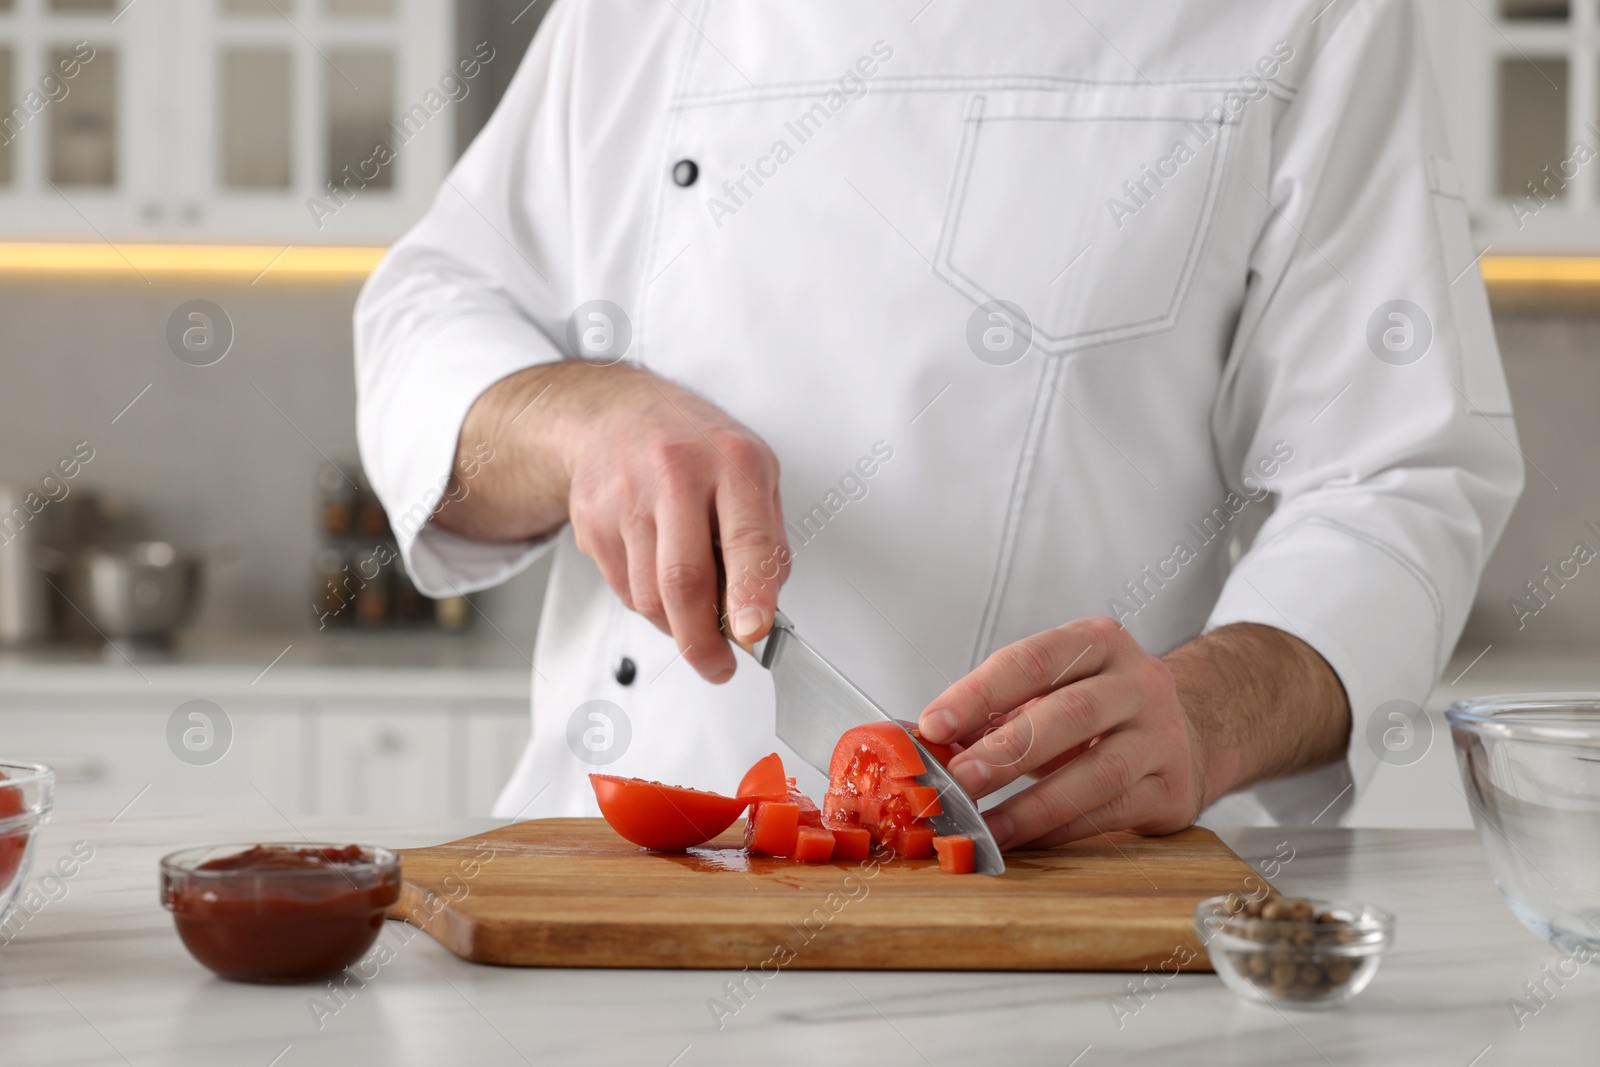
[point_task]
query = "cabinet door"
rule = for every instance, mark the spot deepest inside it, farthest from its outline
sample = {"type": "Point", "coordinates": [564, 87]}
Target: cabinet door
{"type": "Point", "coordinates": [390, 758]}
{"type": "Point", "coordinates": [311, 121]}
{"type": "Point", "coordinates": [82, 144]}
{"type": "Point", "coordinates": [496, 736]}
{"type": "Point", "coordinates": [111, 755]}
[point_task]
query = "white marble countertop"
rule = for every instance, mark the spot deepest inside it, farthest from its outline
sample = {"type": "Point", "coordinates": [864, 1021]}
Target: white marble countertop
{"type": "Point", "coordinates": [98, 977]}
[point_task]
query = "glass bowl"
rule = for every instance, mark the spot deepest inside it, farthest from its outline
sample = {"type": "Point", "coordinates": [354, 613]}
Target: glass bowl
{"type": "Point", "coordinates": [252, 921]}
{"type": "Point", "coordinates": [1530, 767]}
{"type": "Point", "coordinates": [1308, 964]}
{"type": "Point", "coordinates": [26, 797]}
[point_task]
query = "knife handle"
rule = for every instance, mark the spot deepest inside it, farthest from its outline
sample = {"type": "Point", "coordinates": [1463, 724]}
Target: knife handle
{"type": "Point", "coordinates": [722, 599]}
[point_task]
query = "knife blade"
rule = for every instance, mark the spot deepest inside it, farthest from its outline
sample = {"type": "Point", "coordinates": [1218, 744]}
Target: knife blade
{"type": "Point", "coordinates": [816, 704]}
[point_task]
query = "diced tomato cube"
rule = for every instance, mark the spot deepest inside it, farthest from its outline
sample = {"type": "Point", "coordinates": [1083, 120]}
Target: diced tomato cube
{"type": "Point", "coordinates": [913, 842]}
{"type": "Point", "coordinates": [851, 842]}
{"type": "Point", "coordinates": [810, 815]}
{"type": "Point", "coordinates": [772, 827]}
{"type": "Point", "coordinates": [924, 801]}
{"type": "Point", "coordinates": [956, 854]}
{"type": "Point", "coordinates": [813, 844]}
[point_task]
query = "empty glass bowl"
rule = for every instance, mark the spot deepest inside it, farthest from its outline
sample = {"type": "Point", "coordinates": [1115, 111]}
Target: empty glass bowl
{"type": "Point", "coordinates": [1531, 770]}
{"type": "Point", "coordinates": [27, 791]}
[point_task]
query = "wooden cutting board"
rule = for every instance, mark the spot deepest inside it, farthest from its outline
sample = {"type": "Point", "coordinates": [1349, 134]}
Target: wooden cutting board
{"type": "Point", "coordinates": [571, 893]}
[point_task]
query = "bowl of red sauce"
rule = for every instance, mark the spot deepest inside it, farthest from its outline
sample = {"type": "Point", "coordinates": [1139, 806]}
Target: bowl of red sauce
{"type": "Point", "coordinates": [27, 791]}
{"type": "Point", "coordinates": [279, 912]}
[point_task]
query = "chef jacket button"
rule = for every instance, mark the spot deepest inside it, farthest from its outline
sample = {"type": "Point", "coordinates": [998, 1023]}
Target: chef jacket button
{"type": "Point", "coordinates": [626, 671]}
{"type": "Point", "coordinates": [685, 171]}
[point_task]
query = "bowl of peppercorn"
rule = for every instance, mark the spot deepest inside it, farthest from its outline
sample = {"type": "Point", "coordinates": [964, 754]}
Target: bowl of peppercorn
{"type": "Point", "coordinates": [1293, 952]}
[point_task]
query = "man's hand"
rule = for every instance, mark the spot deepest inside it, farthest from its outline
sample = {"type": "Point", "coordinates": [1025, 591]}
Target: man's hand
{"type": "Point", "coordinates": [650, 476]}
{"type": "Point", "coordinates": [1121, 740]}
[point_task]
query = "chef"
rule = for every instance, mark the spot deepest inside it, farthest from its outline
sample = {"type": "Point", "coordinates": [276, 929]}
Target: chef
{"type": "Point", "coordinates": [981, 338]}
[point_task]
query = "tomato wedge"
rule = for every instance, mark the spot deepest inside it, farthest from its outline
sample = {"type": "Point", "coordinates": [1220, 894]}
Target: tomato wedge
{"type": "Point", "coordinates": [666, 818]}
{"type": "Point", "coordinates": [956, 854]}
{"type": "Point", "coordinates": [765, 780]}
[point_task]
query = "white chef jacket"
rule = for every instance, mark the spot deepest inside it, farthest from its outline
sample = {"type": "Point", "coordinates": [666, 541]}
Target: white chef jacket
{"type": "Point", "coordinates": [1205, 210]}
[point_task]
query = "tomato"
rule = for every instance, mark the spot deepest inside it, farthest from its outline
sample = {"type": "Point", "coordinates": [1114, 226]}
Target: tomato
{"type": "Point", "coordinates": [956, 854]}
{"type": "Point", "coordinates": [942, 753]}
{"type": "Point", "coordinates": [666, 818]}
{"type": "Point", "coordinates": [766, 780]}
{"type": "Point", "coordinates": [14, 844]}
{"type": "Point", "coordinates": [813, 844]}
{"type": "Point", "coordinates": [873, 787]}
{"type": "Point", "coordinates": [912, 842]}
{"type": "Point", "coordinates": [810, 814]}
{"type": "Point", "coordinates": [850, 842]}
{"type": "Point", "coordinates": [773, 828]}
{"type": "Point", "coordinates": [888, 744]}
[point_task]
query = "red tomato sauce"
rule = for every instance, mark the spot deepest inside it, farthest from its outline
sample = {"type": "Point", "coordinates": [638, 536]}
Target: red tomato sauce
{"type": "Point", "coordinates": [276, 913]}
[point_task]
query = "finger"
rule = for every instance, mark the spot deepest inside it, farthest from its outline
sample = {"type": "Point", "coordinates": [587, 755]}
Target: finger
{"type": "Point", "coordinates": [687, 578]}
{"type": "Point", "coordinates": [640, 540]}
{"type": "Point", "coordinates": [610, 554]}
{"type": "Point", "coordinates": [1042, 730]}
{"type": "Point", "coordinates": [755, 554]}
{"type": "Point", "coordinates": [1017, 673]}
{"type": "Point", "coordinates": [1098, 777]}
{"type": "Point", "coordinates": [1142, 804]}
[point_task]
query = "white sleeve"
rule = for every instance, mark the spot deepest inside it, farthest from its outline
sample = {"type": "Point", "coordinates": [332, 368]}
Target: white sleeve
{"type": "Point", "coordinates": [470, 295]}
{"type": "Point", "coordinates": [1404, 462]}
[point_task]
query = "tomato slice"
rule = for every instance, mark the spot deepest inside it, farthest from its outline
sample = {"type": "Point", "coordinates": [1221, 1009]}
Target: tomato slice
{"type": "Point", "coordinates": [956, 854]}
{"type": "Point", "coordinates": [765, 780]}
{"type": "Point", "coordinates": [666, 818]}
{"type": "Point", "coordinates": [813, 844]}
{"type": "Point", "coordinates": [888, 744]}
{"type": "Point", "coordinates": [942, 753]}
{"type": "Point", "coordinates": [773, 828]}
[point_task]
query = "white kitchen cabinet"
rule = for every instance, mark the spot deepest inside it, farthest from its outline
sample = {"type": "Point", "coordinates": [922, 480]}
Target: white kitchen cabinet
{"type": "Point", "coordinates": [386, 760]}
{"type": "Point", "coordinates": [496, 737]}
{"type": "Point", "coordinates": [109, 755]}
{"type": "Point", "coordinates": [1520, 81]}
{"type": "Point", "coordinates": [224, 119]}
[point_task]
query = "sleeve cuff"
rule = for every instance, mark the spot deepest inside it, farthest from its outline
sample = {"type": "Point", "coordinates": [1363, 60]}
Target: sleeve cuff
{"type": "Point", "coordinates": [1367, 611]}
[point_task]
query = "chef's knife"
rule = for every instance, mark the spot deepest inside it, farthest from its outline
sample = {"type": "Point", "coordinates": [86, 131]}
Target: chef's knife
{"type": "Point", "coordinates": [817, 704]}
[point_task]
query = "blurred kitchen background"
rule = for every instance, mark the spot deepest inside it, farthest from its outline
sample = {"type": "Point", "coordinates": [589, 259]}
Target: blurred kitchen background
{"type": "Point", "coordinates": [177, 384]}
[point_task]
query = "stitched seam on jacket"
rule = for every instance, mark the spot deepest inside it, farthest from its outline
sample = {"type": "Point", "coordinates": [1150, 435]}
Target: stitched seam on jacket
{"type": "Point", "coordinates": [1395, 553]}
{"type": "Point", "coordinates": [956, 83]}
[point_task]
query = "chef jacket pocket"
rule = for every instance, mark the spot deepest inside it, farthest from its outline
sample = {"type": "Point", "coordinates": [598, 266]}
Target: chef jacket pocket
{"type": "Point", "coordinates": [1087, 207]}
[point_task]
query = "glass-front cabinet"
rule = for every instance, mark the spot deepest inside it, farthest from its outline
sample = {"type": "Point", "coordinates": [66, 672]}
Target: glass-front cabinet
{"type": "Point", "coordinates": [1521, 90]}
{"type": "Point", "coordinates": [305, 121]}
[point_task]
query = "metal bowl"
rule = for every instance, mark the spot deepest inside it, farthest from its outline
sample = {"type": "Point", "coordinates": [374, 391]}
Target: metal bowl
{"type": "Point", "coordinates": [143, 590]}
{"type": "Point", "coordinates": [1531, 768]}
